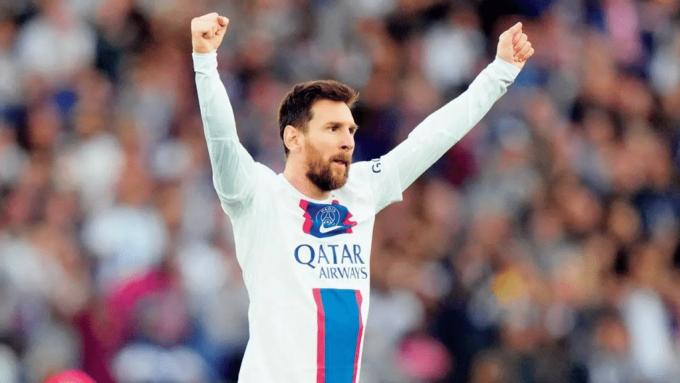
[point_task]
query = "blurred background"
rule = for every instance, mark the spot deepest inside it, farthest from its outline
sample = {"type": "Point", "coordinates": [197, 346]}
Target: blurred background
{"type": "Point", "coordinates": [541, 248]}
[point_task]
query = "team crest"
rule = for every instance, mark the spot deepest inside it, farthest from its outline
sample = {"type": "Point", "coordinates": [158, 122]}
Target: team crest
{"type": "Point", "coordinates": [324, 220]}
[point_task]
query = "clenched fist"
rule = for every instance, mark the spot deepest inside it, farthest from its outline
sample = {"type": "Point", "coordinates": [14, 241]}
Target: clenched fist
{"type": "Point", "coordinates": [514, 46]}
{"type": "Point", "coordinates": [207, 32]}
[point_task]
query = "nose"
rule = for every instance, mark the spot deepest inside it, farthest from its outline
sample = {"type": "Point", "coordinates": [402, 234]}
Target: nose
{"type": "Point", "coordinates": [347, 141]}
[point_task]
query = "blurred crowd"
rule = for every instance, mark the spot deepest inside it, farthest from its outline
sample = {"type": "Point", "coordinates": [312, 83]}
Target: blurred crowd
{"type": "Point", "coordinates": [544, 247]}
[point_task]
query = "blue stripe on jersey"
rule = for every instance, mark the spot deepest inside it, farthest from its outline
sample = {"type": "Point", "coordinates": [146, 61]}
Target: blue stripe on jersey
{"type": "Point", "coordinates": [342, 334]}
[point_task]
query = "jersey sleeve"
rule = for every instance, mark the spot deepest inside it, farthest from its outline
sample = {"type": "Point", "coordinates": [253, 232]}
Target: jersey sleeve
{"type": "Point", "coordinates": [232, 166]}
{"type": "Point", "coordinates": [445, 127]}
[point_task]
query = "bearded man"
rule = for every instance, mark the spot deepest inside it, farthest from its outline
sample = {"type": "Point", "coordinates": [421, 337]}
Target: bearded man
{"type": "Point", "coordinates": [303, 237]}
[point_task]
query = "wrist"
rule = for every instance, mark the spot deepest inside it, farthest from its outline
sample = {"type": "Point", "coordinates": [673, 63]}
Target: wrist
{"type": "Point", "coordinates": [201, 48]}
{"type": "Point", "coordinates": [506, 67]}
{"type": "Point", "coordinates": [204, 62]}
{"type": "Point", "coordinates": [509, 60]}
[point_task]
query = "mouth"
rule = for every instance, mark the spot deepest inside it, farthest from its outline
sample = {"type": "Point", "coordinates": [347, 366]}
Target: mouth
{"type": "Point", "coordinates": [340, 162]}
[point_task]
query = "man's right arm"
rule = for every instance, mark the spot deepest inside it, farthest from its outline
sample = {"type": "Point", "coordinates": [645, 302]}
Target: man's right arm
{"type": "Point", "coordinates": [232, 166]}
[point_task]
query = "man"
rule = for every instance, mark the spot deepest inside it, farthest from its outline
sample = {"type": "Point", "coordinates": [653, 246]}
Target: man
{"type": "Point", "coordinates": [303, 237]}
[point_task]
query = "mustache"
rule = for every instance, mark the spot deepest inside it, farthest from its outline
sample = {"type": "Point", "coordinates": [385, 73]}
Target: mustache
{"type": "Point", "coordinates": [346, 158]}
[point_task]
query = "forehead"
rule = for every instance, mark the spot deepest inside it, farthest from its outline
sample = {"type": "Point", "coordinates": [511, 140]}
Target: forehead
{"type": "Point", "coordinates": [327, 110]}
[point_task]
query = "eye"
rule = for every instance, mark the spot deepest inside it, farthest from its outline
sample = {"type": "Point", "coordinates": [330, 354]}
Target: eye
{"type": "Point", "coordinates": [335, 128]}
{"type": "Point", "coordinates": [352, 130]}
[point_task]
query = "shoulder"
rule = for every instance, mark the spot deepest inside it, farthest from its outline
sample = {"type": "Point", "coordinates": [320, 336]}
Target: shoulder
{"type": "Point", "coordinates": [365, 169]}
{"type": "Point", "coordinates": [268, 185]}
{"type": "Point", "coordinates": [361, 177]}
{"type": "Point", "coordinates": [359, 172]}
{"type": "Point", "coordinates": [377, 178]}
{"type": "Point", "coordinates": [263, 172]}
{"type": "Point", "coordinates": [265, 179]}
{"type": "Point", "coordinates": [262, 183]}
{"type": "Point", "coordinates": [368, 173]}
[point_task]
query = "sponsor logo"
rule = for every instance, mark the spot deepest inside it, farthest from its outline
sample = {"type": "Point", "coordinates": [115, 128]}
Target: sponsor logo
{"type": "Point", "coordinates": [323, 229]}
{"type": "Point", "coordinates": [377, 166]}
{"type": "Point", "coordinates": [333, 261]}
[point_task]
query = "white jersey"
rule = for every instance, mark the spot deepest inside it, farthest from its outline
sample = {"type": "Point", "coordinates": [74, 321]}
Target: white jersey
{"type": "Point", "coordinates": [306, 262]}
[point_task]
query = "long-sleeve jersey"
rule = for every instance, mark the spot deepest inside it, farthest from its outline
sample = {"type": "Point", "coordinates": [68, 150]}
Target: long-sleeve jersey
{"type": "Point", "coordinates": [306, 262]}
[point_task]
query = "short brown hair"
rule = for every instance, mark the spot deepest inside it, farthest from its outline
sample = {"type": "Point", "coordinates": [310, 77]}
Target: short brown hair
{"type": "Point", "coordinates": [296, 107]}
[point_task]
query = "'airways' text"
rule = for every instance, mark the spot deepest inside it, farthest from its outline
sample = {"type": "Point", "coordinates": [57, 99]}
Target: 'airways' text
{"type": "Point", "coordinates": [343, 273]}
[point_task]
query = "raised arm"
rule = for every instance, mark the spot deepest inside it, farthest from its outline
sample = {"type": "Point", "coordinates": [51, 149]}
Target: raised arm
{"type": "Point", "coordinates": [445, 127]}
{"type": "Point", "coordinates": [231, 164]}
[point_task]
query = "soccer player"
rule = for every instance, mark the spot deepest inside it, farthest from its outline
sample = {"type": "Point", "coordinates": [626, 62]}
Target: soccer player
{"type": "Point", "coordinates": [303, 237]}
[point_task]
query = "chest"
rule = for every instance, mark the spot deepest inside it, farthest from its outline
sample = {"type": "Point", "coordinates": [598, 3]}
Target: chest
{"type": "Point", "coordinates": [322, 244]}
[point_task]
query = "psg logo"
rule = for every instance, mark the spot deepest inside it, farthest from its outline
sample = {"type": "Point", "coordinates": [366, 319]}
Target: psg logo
{"type": "Point", "coordinates": [329, 216]}
{"type": "Point", "coordinates": [326, 220]}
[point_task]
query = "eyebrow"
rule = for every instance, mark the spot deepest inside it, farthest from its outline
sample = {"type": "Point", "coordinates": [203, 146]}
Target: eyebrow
{"type": "Point", "coordinates": [339, 124]}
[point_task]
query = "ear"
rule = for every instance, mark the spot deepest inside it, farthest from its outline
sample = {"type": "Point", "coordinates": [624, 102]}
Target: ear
{"type": "Point", "coordinates": [292, 138]}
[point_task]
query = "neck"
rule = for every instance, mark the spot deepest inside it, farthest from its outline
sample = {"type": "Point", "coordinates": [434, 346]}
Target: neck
{"type": "Point", "coordinates": [295, 174]}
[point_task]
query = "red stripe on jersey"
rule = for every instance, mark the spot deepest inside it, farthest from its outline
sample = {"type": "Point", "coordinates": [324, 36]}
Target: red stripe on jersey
{"type": "Point", "coordinates": [320, 339]}
{"type": "Point", "coordinates": [361, 333]}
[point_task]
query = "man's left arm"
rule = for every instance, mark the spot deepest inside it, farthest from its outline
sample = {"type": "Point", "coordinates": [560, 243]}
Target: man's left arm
{"type": "Point", "coordinates": [445, 127]}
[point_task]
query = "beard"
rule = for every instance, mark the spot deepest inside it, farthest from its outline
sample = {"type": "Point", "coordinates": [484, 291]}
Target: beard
{"type": "Point", "coordinates": [321, 173]}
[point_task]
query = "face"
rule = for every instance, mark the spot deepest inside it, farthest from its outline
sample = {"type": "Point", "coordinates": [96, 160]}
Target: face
{"type": "Point", "coordinates": [328, 144]}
